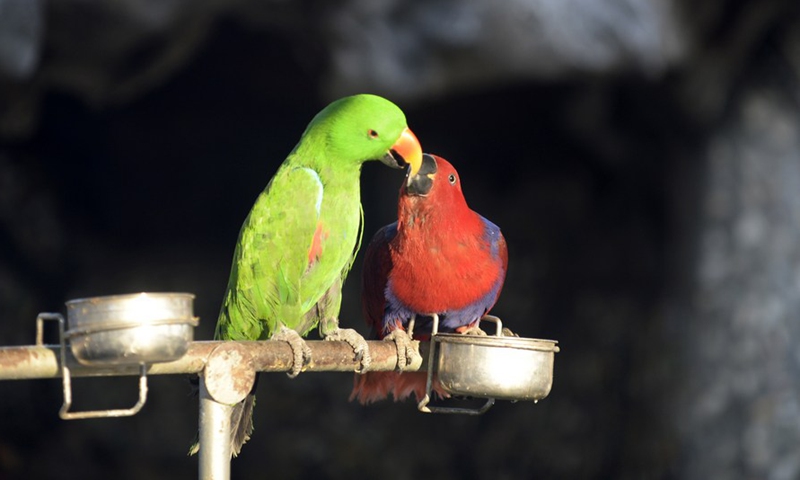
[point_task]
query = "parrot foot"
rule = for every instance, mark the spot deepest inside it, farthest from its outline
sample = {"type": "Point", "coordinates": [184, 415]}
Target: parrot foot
{"type": "Point", "coordinates": [508, 333]}
{"type": "Point", "coordinates": [359, 344]}
{"type": "Point", "coordinates": [407, 349]}
{"type": "Point", "coordinates": [300, 350]}
{"type": "Point", "coordinates": [472, 329]}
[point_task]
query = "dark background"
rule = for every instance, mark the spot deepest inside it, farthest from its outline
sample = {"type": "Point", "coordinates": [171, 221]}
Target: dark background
{"type": "Point", "coordinates": [641, 157]}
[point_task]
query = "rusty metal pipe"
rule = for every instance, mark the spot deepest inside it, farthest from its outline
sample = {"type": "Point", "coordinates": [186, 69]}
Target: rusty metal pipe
{"type": "Point", "coordinates": [29, 362]}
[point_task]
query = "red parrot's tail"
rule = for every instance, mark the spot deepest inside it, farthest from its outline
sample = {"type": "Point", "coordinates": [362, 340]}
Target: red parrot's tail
{"type": "Point", "coordinates": [375, 386]}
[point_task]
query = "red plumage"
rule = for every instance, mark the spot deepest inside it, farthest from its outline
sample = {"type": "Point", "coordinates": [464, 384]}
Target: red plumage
{"type": "Point", "coordinates": [440, 257]}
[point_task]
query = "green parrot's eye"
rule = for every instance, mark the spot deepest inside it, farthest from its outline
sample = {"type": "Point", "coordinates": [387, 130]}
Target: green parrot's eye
{"type": "Point", "coordinates": [452, 179]}
{"type": "Point", "coordinates": [373, 134]}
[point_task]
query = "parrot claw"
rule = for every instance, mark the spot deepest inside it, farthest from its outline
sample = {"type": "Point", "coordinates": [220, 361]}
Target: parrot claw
{"type": "Point", "coordinates": [407, 349]}
{"type": "Point", "coordinates": [300, 350]}
{"type": "Point", "coordinates": [508, 333]}
{"type": "Point", "coordinates": [473, 329]}
{"type": "Point", "coordinates": [359, 344]}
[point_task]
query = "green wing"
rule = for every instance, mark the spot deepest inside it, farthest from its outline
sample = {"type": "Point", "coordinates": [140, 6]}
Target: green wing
{"type": "Point", "coordinates": [271, 260]}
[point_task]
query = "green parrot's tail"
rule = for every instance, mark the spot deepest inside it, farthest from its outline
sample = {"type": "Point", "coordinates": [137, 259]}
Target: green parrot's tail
{"type": "Point", "coordinates": [241, 425]}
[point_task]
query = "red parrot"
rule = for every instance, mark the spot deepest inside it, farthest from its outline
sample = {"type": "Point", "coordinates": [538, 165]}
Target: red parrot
{"type": "Point", "coordinates": [439, 258]}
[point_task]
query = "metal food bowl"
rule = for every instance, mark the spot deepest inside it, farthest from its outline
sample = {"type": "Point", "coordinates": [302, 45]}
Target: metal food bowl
{"type": "Point", "coordinates": [504, 368]}
{"type": "Point", "coordinates": [130, 329]}
{"type": "Point", "coordinates": [489, 367]}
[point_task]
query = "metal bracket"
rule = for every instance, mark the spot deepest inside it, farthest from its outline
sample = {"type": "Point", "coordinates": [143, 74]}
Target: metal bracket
{"type": "Point", "coordinates": [64, 413]}
{"type": "Point", "coordinates": [423, 404]}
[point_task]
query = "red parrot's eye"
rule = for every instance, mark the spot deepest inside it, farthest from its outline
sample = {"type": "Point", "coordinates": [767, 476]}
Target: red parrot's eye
{"type": "Point", "coordinates": [373, 134]}
{"type": "Point", "coordinates": [452, 179]}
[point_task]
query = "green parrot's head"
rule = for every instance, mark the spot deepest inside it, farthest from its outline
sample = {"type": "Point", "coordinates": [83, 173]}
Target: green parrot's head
{"type": "Point", "coordinates": [366, 127]}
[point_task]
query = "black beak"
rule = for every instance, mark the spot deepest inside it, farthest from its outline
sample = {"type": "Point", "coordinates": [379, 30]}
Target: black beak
{"type": "Point", "coordinates": [393, 159]}
{"type": "Point", "coordinates": [421, 183]}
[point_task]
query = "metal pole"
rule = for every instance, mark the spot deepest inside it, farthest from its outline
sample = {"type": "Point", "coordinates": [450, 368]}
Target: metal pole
{"type": "Point", "coordinates": [215, 437]}
{"type": "Point", "coordinates": [228, 378]}
{"type": "Point", "coordinates": [29, 362]}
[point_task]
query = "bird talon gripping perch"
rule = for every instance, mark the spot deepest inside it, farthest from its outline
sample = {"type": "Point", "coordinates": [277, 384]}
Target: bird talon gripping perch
{"type": "Point", "coordinates": [407, 349]}
{"type": "Point", "coordinates": [359, 344]}
{"type": "Point", "coordinates": [301, 352]}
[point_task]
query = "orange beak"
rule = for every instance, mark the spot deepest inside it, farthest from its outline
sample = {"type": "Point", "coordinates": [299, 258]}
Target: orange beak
{"type": "Point", "coordinates": [408, 147]}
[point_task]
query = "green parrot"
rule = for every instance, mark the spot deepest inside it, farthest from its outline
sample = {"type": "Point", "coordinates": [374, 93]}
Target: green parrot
{"type": "Point", "coordinates": [300, 239]}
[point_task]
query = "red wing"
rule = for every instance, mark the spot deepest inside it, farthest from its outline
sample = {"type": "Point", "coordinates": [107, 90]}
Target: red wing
{"type": "Point", "coordinates": [374, 276]}
{"type": "Point", "coordinates": [502, 250]}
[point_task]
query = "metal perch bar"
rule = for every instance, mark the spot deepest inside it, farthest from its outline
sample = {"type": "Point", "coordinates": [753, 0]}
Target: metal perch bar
{"type": "Point", "coordinates": [29, 362]}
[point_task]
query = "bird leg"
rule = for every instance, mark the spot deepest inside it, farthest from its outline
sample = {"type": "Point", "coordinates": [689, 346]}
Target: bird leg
{"type": "Point", "coordinates": [508, 333]}
{"type": "Point", "coordinates": [407, 349]}
{"type": "Point", "coordinates": [329, 330]}
{"type": "Point", "coordinates": [471, 329]}
{"type": "Point", "coordinates": [411, 324]}
{"type": "Point", "coordinates": [504, 331]}
{"type": "Point", "coordinates": [301, 352]}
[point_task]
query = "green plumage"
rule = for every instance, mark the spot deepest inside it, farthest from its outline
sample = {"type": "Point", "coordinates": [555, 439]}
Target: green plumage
{"type": "Point", "coordinates": [316, 188]}
{"type": "Point", "coordinates": [299, 241]}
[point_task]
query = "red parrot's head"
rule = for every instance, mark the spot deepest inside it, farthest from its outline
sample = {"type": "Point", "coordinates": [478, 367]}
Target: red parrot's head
{"type": "Point", "coordinates": [436, 177]}
{"type": "Point", "coordinates": [434, 189]}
